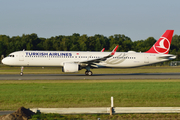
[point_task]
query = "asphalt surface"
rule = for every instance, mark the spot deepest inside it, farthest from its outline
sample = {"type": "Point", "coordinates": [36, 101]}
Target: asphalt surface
{"type": "Point", "coordinates": [6, 112]}
{"type": "Point", "coordinates": [134, 76]}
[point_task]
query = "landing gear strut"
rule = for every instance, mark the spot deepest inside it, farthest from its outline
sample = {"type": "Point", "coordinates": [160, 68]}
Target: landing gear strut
{"type": "Point", "coordinates": [21, 74]}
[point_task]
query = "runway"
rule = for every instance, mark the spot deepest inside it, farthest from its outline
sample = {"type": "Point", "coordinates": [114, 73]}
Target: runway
{"type": "Point", "coordinates": [133, 76]}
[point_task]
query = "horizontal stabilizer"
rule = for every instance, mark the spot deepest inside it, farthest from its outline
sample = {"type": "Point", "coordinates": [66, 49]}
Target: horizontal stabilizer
{"type": "Point", "coordinates": [167, 56]}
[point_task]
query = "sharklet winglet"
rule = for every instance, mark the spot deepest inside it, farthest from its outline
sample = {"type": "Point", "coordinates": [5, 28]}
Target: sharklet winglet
{"type": "Point", "coordinates": [114, 50]}
{"type": "Point", "coordinates": [103, 50]}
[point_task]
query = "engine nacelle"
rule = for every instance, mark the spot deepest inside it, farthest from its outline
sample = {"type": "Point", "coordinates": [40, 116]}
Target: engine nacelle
{"type": "Point", "coordinates": [70, 67]}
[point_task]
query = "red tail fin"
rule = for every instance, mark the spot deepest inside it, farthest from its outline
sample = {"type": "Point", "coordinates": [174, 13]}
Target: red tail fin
{"type": "Point", "coordinates": [163, 44]}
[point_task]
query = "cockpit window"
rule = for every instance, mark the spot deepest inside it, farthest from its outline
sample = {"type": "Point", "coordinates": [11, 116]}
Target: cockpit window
{"type": "Point", "coordinates": [10, 55]}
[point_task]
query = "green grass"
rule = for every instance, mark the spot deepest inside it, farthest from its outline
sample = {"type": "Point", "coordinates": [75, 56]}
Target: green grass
{"type": "Point", "coordinates": [89, 93]}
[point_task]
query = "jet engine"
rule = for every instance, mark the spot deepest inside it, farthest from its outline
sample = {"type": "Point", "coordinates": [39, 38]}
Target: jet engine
{"type": "Point", "coordinates": [71, 67]}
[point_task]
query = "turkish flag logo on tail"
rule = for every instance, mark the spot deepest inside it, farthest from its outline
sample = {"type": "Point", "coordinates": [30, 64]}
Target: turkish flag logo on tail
{"type": "Point", "coordinates": [163, 44]}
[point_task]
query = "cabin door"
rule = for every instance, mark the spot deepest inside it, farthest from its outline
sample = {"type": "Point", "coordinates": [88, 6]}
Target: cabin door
{"type": "Point", "coordinates": [21, 56]}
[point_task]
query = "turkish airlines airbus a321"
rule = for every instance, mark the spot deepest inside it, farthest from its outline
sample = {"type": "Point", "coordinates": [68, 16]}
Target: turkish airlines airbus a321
{"type": "Point", "coordinates": [73, 61]}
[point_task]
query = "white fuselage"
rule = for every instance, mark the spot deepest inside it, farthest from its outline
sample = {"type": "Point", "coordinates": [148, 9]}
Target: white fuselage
{"type": "Point", "coordinates": [57, 58]}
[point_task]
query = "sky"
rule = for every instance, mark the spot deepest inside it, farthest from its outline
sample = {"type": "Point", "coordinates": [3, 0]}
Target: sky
{"type": "Point", "coordinates": [136, 19]}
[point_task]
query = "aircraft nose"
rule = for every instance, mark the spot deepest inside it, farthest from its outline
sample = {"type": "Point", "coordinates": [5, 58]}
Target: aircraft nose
{"type": "Point", "coordinates": [4, 61]}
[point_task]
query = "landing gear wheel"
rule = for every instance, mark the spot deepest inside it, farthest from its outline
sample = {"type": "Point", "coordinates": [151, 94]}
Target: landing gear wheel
{"type": "Point", "coordinates": [21, 74]}
{"type": "Point", "coordinates": [88, 73]}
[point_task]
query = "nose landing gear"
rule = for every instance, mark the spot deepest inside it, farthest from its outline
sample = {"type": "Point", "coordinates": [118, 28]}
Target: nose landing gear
{"type": "Point", "coordinates": [21, 74]}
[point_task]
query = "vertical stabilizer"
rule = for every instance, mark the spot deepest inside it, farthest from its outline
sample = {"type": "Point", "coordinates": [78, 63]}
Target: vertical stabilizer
{"type": "Point", "coordinates": [163, 44]}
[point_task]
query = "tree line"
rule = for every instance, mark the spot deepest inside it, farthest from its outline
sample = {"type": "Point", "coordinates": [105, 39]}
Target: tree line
{"type": "Point", "coordinates": [77, 42]}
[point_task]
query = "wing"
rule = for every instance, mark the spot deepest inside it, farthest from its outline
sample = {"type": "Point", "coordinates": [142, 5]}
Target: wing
{"type": "Point", "coordinates": [93, 61]}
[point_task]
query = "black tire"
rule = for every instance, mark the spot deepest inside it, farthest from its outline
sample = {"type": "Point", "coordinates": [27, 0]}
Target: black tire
{"type": "Point", "coordinates": [86, 72]}
{"type": "Point", "coordinates": [21, 74]}
{"type": "Point", "coordinates": [89, 73]}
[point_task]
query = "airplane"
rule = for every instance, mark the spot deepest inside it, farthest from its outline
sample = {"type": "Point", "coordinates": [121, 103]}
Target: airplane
{"type": "Point", "coordinates": [73, 61]}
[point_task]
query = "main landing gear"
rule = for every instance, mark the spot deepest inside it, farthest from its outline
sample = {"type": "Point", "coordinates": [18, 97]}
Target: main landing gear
{"type": "Point", "coordinates": [21, 74]}
{"type": "Point", "coordinates": [88, 72]}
